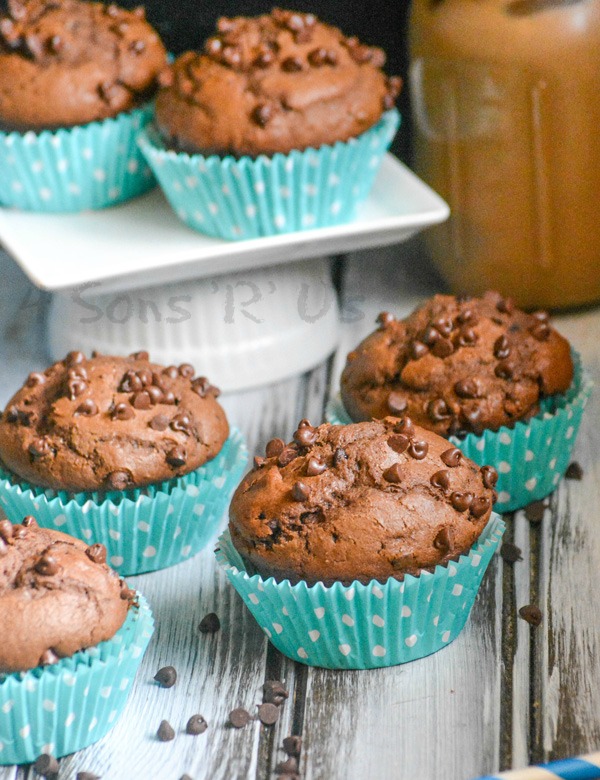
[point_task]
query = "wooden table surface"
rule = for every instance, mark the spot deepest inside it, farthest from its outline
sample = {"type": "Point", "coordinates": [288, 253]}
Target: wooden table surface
{"type": "Point", "coordinates": [503, 694]}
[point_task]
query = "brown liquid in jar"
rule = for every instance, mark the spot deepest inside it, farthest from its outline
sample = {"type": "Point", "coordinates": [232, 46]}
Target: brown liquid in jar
{"type": "Point", "coordinates": [506, 110]}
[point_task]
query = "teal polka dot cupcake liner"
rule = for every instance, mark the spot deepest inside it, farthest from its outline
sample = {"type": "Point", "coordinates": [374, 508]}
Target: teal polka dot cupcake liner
{"type": "Point", "coordinates": [75, 169]}
{"type": "Point", "coordinates": [246, 198]}
{"type": "Point", "coordinates": [532, 457]}
{"type": "Point", "coordinates": [365, 626]}
{"type": "Point", "coordinates": [65, 707]}
{"type": "Point", "coordinates": [143, 530]}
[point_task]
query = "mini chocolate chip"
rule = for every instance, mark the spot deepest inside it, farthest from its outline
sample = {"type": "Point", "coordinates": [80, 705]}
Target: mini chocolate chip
{"type": "Point", "coordinates": [466, 315]}
{"type": "Point", "coordinates": [505, 305]}
{"type": "Point", "coordinates": [405, 426]}
{"type": "Point", "coordinates": [501, 348]}
{"type": "Point", "coordinates": [274, 692]}
{"type": "Point", "coordinates": [461, 501]}
{"type": "Point", "coordinates": [418, 449]}
{"type": "Point", "coordinates": [209, 624]}
{"type": "Point", "coordinates": [480, 505]}
{"type": "Point", "coordinates": [467, 388]}
{"type": "Point", "coordinates": [141, 400]}
{"type": "Point", "coordinates": [541, 331]}
{"type": "Point", "coordinates": [274, 448]}
{"type": "Point", "coordinates": [541, 316]}
{"type": "Point", "coordinates": [122, 412]}
{"type": "Point", "coordinates": [339, 456]}
{"type": "Point", "coordinates": [6, 530]}
{"type": "Point", "coordinates": [34, 379]}
{"type": "Point", "coordinates": [531, 614]}
{"type": "Point", "coordinates": [438, 410]}
{"type": "Point", "coordinates": [137, 47]}
{"type": "Point", "coordinates": [534, 512]}
{"type": "Point", "coordinates": [169, 398]}
{"type": "Point", "coordinates": [126, 593]}
{"type": "Point", "coordinates": [418, 350]}
{"type": "Point", "coordinates": [87, 408]}
{"type": "Point", "coordinates": [155, 393]}
{"type": "Point", "coordinates": [443, 326]}
{"type": "Point", "coordinates": [398, 442]}
{"type": "Point", "coordinates": [396, 403]}
{"type": "Point", "coordinates": [321, 56]}
{"type": "Point", "coordinates": [196, 725]}
{"type": "Point", "coordinates": [300, 491]}
{"type": "Point", "coordinates": [258, 462]}
{"type": "Point", "coordinates": [291, 65]}
{"type": "Point", "coordinates": [441, 479]}
{"type": "Point", "coordinates": [574, 471]}
{"type": "Point", "coordinates": [186, 370]}
{"type": "Point", "coordinates": [47, 565]}
{"type": "Point", "coordinates": [473, 418]}
{"type": "Point", "coordinates": [264, 58]}
{"type": "Point", "coordinates": [39, 448]}
{"type": "Point", "coordinates": [287, 767]}
{"type": "Point", "coordinates": [504, 370]}
{"type": "Point", "coordinates": [75, 388]}
{"type": "Point", "coordinates": [239, 718]}
{"type": "Point", "coordinates": [141, 355]}
{"type": "Point", "coordinates": [19, 532]}
{"type": "Point", "coordinates": [489, 476]}
{"type": "Point", "coordinates": [385, 319]}
{"type": "Point", "coordinates": [305, 436]}
{"type": "Point", "coordinates": [292, 745]}
{"type": "Point", "coordinates": [442, 348]}
{"type": "Point", "coordinates": [262, 114]}
{"type": "Point", "coordinates": [12, 414]}
{"type": "Point", "coordinates": [287, 456]}
{"type": "Point", "coordinates": [118, 480]}
{"type": "Point", "coordinates": [171, 372]}
{"type": "Point", "coordinates": [74, 358]}
{"type": "Point", "coordinates": [176, 457]}
{"type": "Point", "coordinates": [315, 466]}
{"type": "Point", "coordinates": [268, 714]}
{"type": "Point", "coordinates": [46, 765]}
{"type": "Point", "coordinates": [430, 336]}
{"type": "Point", "coordinates": [181, 422]}
{"type": "Point", "coordinates": [48, 657]}
{"type": "Point", "coordinates": [29, 522]}
{"type": "Point", "coordinates": [159, 423]}
{"type": "Point", "coordinates": [201, 386]}
{"type": "Point", "coordinates": [444, 540]}
{"type": "Point", "coordinates": [231, 56]}
{"type": "Point", "coordinates": [130, 383]}
{"type": "Point", "coordinates": [393, 474]}
{"type": "Point", "coordinates": [511, 553]}
{"type": "Point", "coordinates": [165, 731]}
{"type": "Point", "coordinates": [96, 553]}
{"type": "Point", "coordinates": [166, 677]}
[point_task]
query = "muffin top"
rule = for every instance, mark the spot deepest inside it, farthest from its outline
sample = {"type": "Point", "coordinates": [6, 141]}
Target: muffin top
{"type": "Point", "coordinates": [458, 365]}
{"type": "Point", "coordinates": [365, 501]}
{"type": "Point", "coordinates": [110, 423]}
{"type": "Point", "coordinates": [57, 596]}
{"type": "Point", "coordinates": [273, 83]}
{"type": "Point", "coordinates": [68, 62]}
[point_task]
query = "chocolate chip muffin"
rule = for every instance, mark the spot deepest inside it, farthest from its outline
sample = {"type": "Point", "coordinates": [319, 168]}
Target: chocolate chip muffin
{"type": "Point", "coordinates": [273, 83]}
{"type": "Point", "coordinates": [57, 596]}
{"type": "Point", "coordinates": [68, 62]}
{"type": "Point", "coordinates": [458, 365]}
{"type": "Point", "coordinates": [367, 501]}
{"type": "Point", "coordinates": [110, 423]}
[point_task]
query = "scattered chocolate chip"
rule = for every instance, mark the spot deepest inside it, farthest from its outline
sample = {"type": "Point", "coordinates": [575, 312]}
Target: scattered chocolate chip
{"type": "Point", "coordinates": [46, 765]}
{"type": "Point", "coordinates": [430, 336]}
{"type": "Point", "coordinates": [166, 677]}
{"type": "Point", "coordinates": [122, 412]}
{"type": "Point", "coordinates": [262, 114]}
{"type": "Point", "coordinates": [159, 423]}
{"type": "Point", "coordinates": [287, 767]}
{"type": "Point", "coordinates": [398, 442]}
{"type": "Point", "coordinates": [305, 436]}
{"type": "Point", "coordinates": [534, 512]}
{"type": "Point", "coordinates": [532, 614]}
{"type": "Point", "coordinates": [12, 414]}
{"type": "Point", "coordinates": [396, 403]}
{"type": "Point", "coordinates": [239, 718]}
{"type": "Point", "coordinates": [87, 408]}
{"type": "Point", "coordinates": [155, 393]}
{"type": "Point", "coordinates": [75, 388]}
{"type": "Point", "coordinates": [29, 521]}
{"type": "Point", "coordinates": [479, 506]}
{"type": "Point", "coordinates": [541, 316]}
{"type": "Point", "coordinates": [574, 471]}
{"type": "Point", "coordinates": [444, 540]}
{"type": "Point", "coordinates": [385, 319]}
{"type": "Point", "coordinates": [274, 692]}
{"type": "Point", "coordinates": [141, 400]}
{"type": "Point", "coordinates": [169, 398]}
{"type": "Point", "coordinates": [137, 47]}
{"type": "Point", "coordinates": [472, 418]}
{"type": "Point", "coordinates": [292, 746]}
{"type": "Point", "coordinates": [438, 410]}
{"type": "Point", "coordinates": [287, 456]}
{"type": "Point", "coordinates": [314, 467]}
{"type": "Point", "coordinates": [231, 56]}
{"type": "Point", "coordinates": [19, 532]}
{"type": "Point", "coordinates": [505, 305]}
{"type": "Point", "coordinates": [540, 331]}
{"type": "Point", "coordinates": [292, 65]}
{"type": "Point", "coordinates": [196, 725]}
{"type": "Point", "coordinates": [39, 448]}
{"type": "Point", "coordinates": [130, 383]}
{"type": "Point", "coordinates": [504, 370]}
{"type": "Point", "coordinates": [466, 337]}
{"type": "Point", "coordinates": [443, 326]}
{"type": "Point", "coordinates": [181, 423]}
{"type": "Point", "coordinates": [264, 58]}
{"type": "Point", "coordinates": [171, 372]}
{"type": "Point", "coordinates": [321, 56]}
{"type": "Point", "coordinates": [118, 480]}
{"type": "Point", "coordinates": [47, 565]}
{"type": "Point", "coordinates": [126, 593]}
{"type": "Point", "coordinates": [441, 479]}
{"type": "Point", "coordinates": [274, 448]}
{"type": "Point", "coordinates": [141, 355]}
{"type": "Point", "coordinates": [209, 624]}
{"type": "Point", "coordinates": [165, 731]}
{"type": "Point", "coordinates": [489, 476]}
{"type": "Point", "coordinates": [35, 378]}
{"type": "Point", "coordinates": [48, 657]}
{"type": "Point", "coordinates": [300, 491]}
{"type": "Point", "coordinates": [176, 457]}
{"type": "Point", "coordinates": [510, 552]}
{"type": "Point", "coordinates": [74, 358]}
{"type": "Point", "coordinates": [418, 350]}
{"type": "Point", "coordinates": [461, 501]}
{"type": "Point", "coordinates": [501, 348]}
{"type": "Point", "coordinates": [406, 427]}
{"type": "Point", "coordinates": [393, 474]}
{"type": "Point", "coordinates": [467, 388]}
{"type": "Point", "coordinates": [442, 348]}
{"type": "Point", "coordinates": [96, 553]}
{"type": "Point", "coordinates": [418, 449]}
{"type": "Point", "coordinates": [186, 370]}
{"type": "Point", "coordinates": [258, 462]}
{"type": "Point", "coordinates": [339, 456]}
{"type": "Point", "coordinates": [268, 714]}
{"type": "Point", "coordinates": [6, 530]}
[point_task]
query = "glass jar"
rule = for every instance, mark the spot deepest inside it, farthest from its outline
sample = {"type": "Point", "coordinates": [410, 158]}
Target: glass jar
{"type": "Point", "coordinates": [506, 110]}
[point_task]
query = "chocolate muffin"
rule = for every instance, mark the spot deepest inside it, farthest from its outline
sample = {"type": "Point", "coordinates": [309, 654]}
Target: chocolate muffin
{"type": "Point", "coordinates": [68, 62]}
{"type": "Point", "coordinates": [110, 423]}
{"type": "Point", "coordinates": [273, 83]}
{"type": "Point", "coordinates": [458, 365]}
{"type": "Point", "coordinates": [57, 596]}
{"type": "Point", "coordinates": [367, 501]}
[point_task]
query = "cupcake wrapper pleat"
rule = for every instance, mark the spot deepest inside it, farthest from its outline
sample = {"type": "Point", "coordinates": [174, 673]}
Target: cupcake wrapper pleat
{"type": "Point", "coordinates": [63, 708]}
{"type": "Point", "coordinates": [75, 169]}
{"type": "Point", "coordinates": [246, 198]}
{"type": "Point", "coordinates": [365, 626]}
{"type": "Point", "coordinates": [142, 530]}
{"type": "Point", "coordinates": [530, 458]}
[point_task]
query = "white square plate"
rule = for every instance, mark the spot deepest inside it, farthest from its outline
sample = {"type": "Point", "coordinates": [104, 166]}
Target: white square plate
{"type": "Point", "coordinates": [143, 243]}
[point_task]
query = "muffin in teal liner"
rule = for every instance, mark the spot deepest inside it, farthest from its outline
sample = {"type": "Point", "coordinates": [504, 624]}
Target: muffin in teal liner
{"type": "Point", "coordinates": [76, 86]}
{"type": "Point", "coordinates": [75, 169]}
{"type": "Point", "coordinates": [145, 529]}
{"type": "Point", "coordinates": [532, 457]}
{"type": "Point", "coordinates": [361, 546]}
{"type": "Point", "coordinates": [73, 636]}
{"type": "Point", "coordinates": [248, 198]}
{"type": "Point", "coordinates": [121, 451]}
